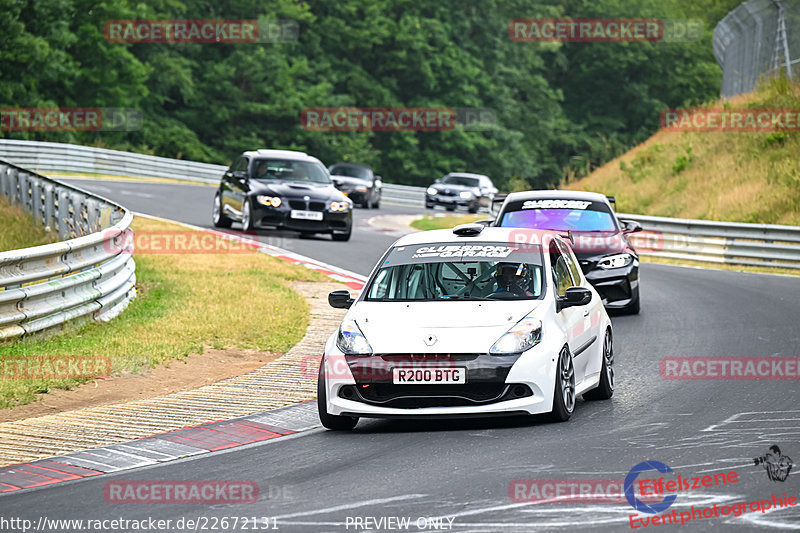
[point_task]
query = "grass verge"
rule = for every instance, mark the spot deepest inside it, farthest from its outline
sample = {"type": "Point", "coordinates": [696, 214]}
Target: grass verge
{"type": "Point", "coordinates": [735, 176]}
{"type": "Point", "coordinates": [19, 230]}
{"type": "Point", "coordinates": [185, 303]}
{"type": "Point", "coordinates": [429, 222]}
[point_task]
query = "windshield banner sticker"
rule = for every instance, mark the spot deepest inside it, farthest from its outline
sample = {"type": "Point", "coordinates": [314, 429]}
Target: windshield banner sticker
{"type": "Point", "coordinates": [555, 204]}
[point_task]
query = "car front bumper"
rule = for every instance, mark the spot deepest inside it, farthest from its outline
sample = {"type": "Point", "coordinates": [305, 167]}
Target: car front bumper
{"type": "Point", "coordinates": [449, 201]}
{"type": "Point", "coordinates": [280, 218]}
{"type": "Point", "coordinates": [618, 287]}
{"type": "Point", "coordinates": [508, 384]}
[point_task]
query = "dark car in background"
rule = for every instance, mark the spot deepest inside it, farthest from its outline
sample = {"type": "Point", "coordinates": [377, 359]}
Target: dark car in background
{"type": "Point", "coordinates": [461, 189]}
{"type": "Point", "coordinates": [601, 241]}
{"type": "Point", "coordinates": [358, 182]}
{"type": "Point", "coordinates": [284, 190]}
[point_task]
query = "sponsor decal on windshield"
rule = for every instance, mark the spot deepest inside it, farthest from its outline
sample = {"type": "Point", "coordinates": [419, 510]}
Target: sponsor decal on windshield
{"type": "Point", "coordinates": [555, 204]}
{"type": "Point", "coordinates": [463, 251]}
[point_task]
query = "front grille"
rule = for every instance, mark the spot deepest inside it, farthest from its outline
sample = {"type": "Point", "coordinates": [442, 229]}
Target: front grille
{"type": "Point", "coordinates": [312, 206]}
{"type": "Point", "coordinates": [418, 396]}
{"type": "Point", "coordinates": [447, 192]}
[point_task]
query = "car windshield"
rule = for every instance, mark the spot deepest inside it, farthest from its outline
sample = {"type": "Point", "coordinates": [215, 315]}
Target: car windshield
{"type": "Point", "coordinates": [460, 180]}
{"type": "Point", "coordinates": [289, 170]}
{"type": "Point", "coordinates": [350, 171]}
{"type": "Point", "coordinates": [480, 271]}
{"type": "Point", "coordinates": [559, 215]}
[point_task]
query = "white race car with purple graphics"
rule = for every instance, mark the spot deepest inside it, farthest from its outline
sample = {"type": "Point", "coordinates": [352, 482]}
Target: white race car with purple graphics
{"type": "Point", "coordinates": [466, 322]}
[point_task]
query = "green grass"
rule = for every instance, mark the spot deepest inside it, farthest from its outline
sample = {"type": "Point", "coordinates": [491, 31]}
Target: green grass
{"type": "Point", "coordinates": [429, 222]}
{"type": "Point", "coordinates": [739, 177]}
{"type": "Point", "coordinates": [185, 303]}
{"type": "Point", "coordinates": [18, 229]}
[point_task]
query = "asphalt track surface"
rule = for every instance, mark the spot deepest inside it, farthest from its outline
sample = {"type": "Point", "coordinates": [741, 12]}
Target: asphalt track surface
{"type": "Point", "coordinates": [462, 469]}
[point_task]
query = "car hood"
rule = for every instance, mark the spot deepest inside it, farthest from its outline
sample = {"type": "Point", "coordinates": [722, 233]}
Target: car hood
{"type": "Point", "coordinates": [349, 180]}
{"type": "Point", "coordinates": [459, 326]}
{"type": "Point", "coordinates": [288, 189]}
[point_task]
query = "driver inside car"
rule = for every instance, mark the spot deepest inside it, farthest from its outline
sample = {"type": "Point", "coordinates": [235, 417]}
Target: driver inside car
{"type": "Point", "coordinates": [512, 278]}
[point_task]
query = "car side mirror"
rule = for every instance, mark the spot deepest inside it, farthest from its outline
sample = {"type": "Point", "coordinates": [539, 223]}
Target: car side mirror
{"type": "Point", "coordinates": [631, 226]}
{"type": "Point", "coordinates": [240, 174]}
{"type": "Point", "coordinates": [378, 181]}
{"type": "Point", "coordinates": [340, 299]}
{"type": "Point", "coordinates": [486, 222]}
{"type": "Point", "coordinates": [573, 297]}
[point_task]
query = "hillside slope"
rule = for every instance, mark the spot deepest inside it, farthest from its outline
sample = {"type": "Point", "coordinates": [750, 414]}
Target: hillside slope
{"type": "Point", "coordinates": [742, 177]}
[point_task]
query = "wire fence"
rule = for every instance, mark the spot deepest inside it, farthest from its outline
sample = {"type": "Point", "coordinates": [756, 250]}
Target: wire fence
{"type": "Point", "coordinates": [758, 38]}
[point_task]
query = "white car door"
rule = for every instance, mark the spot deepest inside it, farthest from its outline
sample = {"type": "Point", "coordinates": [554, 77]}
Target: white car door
{"type": "Point", "coordinates": [585, 334]}
{"type": "Point", "coordinates": [571, 318]}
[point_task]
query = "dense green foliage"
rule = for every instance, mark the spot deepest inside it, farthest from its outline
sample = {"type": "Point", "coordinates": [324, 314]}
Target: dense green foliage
{"type": "Point", "coordinates": [561, 108]}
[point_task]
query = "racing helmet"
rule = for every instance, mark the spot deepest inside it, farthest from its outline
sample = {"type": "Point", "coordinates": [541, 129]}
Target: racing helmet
{"type": "Point", "coordinates": [511, 276]}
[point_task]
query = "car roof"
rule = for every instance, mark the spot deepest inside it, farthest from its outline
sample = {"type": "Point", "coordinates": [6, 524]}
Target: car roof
{"type": "Point", "coordinates": [489, 234]}
{"type": "Point", "coordinates": [282, 154]}
{"type": "Point", "coordinates": [556, 194]}
{"type": "Point", "coordinates": [466, 175]}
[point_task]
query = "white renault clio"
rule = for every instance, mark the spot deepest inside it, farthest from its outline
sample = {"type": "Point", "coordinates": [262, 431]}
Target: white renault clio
{"type": "Point", "coordinates": [468, 322]}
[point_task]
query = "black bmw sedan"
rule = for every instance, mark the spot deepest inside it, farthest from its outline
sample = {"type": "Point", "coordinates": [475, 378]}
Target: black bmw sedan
{"type": "Point", "coordinates": [284, 190]}
{"type": "Point", "coordinates": [601, 240]}
{"type": "Point", "coordinates": [358, 182]}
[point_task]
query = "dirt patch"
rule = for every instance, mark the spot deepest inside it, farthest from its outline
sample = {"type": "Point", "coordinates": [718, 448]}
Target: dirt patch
{"type": "Point", "coordinates": [178, 375]}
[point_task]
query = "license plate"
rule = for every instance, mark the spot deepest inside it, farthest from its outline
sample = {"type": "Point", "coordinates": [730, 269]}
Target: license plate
{"type": "Point", "coordinates": [428, 376]}
{"type": "Point", "coordinates": [306, 215]}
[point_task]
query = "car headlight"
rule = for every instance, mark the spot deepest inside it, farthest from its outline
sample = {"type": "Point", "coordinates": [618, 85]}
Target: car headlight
{"type": "Point", "coordinates": [273, 201]}
{"type": "Point", "coordinates": [432, 191]}
{"type": "Point", "coordinates": [340, 206]}
{"type": "Point", "coordinates": [615, 261]}
{"type": "Point", "coordinates": [466, 194]}
{"type": "Point", "coordinates": [351, 341]}
{"type": "Point", "coordinates": [360, 188]}
{"type": "Point", "coordinates": [524, 335]}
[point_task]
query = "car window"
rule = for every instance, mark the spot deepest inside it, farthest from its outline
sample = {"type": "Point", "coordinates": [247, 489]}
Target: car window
{"type": "Point", "coordinates": [460, 180]}
{"type": "Point", "coordinates": [559, 215]}
{"type": "Point", "coordinates": [239, 165]}
{"type": "Point", "coordinates": [457, 280]}
{"type": "Point", "coordinates": [350, 171]}
{"type": "Point", "coordinates": [562, 280]}
{"type": "Point", "coordinates": [289, 170]}
{"type": "Point", "coordinates": [574, 269]}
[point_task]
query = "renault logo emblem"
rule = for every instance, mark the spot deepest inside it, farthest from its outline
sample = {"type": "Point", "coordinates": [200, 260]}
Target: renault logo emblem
{"type": "Point", "coordinates": [430, 340]}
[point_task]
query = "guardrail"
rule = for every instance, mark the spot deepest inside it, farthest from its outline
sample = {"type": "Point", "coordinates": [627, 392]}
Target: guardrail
{"type": "Point", "coordinates": [92, 274]}
{"type": "Point", "coordinates": [730, 243]}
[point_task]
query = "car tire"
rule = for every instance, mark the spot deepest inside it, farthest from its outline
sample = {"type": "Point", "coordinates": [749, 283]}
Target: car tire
{"type": "Point", "coordinates": [377, 203]}
{"type": "Point", "coordinates": [428, 206]}
{"type": "Point", "coordinates": [451, 208]}
{"type": "Point", "coordinates": [564, 388]}
{"type": "Point", "coordinates": [247, 216]}
{"type": "Point", "coordinates": [342, 236]}
{"type": "Point", "coordinates": [605, 389]}
{"type": "Point", "coordinates": [473, 208]}
{"type": "Point", "coordinates": [329, 421]}
{"type": "Point", "coordinates": [217, 217]}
